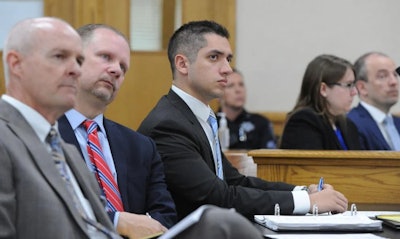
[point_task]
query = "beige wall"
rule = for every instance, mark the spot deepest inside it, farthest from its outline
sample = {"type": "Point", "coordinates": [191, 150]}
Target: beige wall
{"type": "Point", "coordinates": [276, 39]}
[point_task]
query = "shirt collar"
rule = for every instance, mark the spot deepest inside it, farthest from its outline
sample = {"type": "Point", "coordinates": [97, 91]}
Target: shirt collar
{"type": "Point", "coordinates": [376, 113]}
{"type": "Point", "coordinates": [199, 109]}
{"type": "Point", "coordinates": [39, 124]}
{"type": "Point", "coordinates": [75, 118]}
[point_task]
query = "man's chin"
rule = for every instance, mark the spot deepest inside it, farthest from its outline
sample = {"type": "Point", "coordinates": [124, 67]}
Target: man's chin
{"type": "Point", "coordinates": [106, 97]}
{"type": "Point", "coordinates": [68, 103]}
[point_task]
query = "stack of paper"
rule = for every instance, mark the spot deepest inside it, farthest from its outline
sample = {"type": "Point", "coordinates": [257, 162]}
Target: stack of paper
{"type": "Point", "coordinates": [337, 222]}
{"type": "Point", "coordinates": [390, 220]}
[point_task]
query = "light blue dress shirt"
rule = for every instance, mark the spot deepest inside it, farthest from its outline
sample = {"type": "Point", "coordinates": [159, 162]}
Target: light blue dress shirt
{"type": "Point", "coordinates": [76, 119]}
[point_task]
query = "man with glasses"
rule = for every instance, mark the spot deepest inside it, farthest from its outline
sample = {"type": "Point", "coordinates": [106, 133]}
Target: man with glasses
{"type": "Point", "coordinates": [377, 84]}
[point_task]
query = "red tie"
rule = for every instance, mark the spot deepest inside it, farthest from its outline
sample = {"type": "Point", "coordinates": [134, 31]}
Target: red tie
{"type": "Point", "coordinates": [102, 171]}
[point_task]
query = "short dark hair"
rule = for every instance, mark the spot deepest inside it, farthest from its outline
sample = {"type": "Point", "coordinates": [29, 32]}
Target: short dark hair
{"type": "Point", "coordinates": [189, 39]}
{"type": "Point", "coordinates": [86, 31]}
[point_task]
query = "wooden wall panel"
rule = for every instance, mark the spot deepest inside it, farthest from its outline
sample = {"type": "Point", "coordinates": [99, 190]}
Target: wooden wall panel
{"type": "Point", "coordinates": [61, 9]}
{"type": "Point", "coordinates": [168, 22]}
{"type": "Point", "coordinates": [81, 12]}
{"type": "Point", "coordinates": [147, 80]}
{"type": "Point", "coordinates": [88, 11]}
{"type": "Point", "coordinates": [221, 11]}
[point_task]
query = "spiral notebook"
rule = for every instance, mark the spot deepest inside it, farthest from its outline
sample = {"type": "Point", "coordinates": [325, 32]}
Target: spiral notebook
{"type": "Point", "coordinates": [338, 222]}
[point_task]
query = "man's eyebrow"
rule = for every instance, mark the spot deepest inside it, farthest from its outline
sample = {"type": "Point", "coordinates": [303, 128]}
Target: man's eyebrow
{"type": "Point", "coordinates": [216, 52]}
{"type": "Point", "coordinates": [383, 71]}
{"type": "Point", "coordinates": [230, 55]}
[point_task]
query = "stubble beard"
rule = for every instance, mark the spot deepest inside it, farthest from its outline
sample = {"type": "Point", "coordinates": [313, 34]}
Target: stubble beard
{"type": "Point", "coordinates": [103, 95]}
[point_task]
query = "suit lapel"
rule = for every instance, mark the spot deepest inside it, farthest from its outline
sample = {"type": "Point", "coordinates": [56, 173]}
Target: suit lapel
{"type": "Point", "coordinates": [181, 106]}
{"type": "Point", "coordinates": [344, 128]}
{"type": "Point", "coordinates": [397, 123]}
{"type": "Point", "coordinates": [369, 122]}
{"type": "Point", "coordinates": [334, 136]}
{"type": "Point", "coordinates": [86, 181]}
{"type": "Point", "coordinates": [41, 157]}
{"type": "Point", "coordinates": [67, 133]}
{"type": "Point", "coordinates": [116, 139]}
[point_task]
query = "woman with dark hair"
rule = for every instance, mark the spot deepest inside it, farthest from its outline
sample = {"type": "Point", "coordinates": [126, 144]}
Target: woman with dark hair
{"type": "Point", "coordinates": [318, 121]}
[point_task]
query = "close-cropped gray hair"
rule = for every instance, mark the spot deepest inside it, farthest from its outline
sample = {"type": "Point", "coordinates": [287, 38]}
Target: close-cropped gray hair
{"type": "Point", "coordinates": [360, 67]}
{"type": "Point", "coordinates": [86, 32]}
{"type": "Point", "coordinates": [22, 38]}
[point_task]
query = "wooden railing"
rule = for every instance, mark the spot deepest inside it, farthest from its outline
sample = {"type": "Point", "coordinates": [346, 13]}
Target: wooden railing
{"type": "Point", "coordinates": [277, 119]}
{"type": "Point", "coordinates": [362, 176]}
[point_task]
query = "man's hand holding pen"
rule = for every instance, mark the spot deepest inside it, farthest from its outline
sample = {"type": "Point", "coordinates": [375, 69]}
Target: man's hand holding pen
{"type": "Point", "coordinates": [326, 198]}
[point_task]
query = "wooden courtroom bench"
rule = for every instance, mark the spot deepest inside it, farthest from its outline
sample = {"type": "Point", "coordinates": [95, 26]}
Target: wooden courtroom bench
{"type": "Point", "coordinates": [362, 176]}
{"type": "Point", "coordinates": [277, 119]}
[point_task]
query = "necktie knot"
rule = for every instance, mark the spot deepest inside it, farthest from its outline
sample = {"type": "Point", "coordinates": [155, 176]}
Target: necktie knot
{"type": "Point", "coordinates": [212, 120]}
{"type": "Point", "coordinates": [90, 126]}
{"type": "Point", "coordinates": [388, 120]}
{"type": "Point", "coordinates": [53, 140]}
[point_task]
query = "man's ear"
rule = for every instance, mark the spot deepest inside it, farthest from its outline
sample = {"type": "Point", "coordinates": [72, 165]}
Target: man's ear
{"type": "Point", "coordinates": [361, 87]}
{"type": "Point", "coordinates": [322, 89]}
{"type": "Point", "coordinates": [14, 60]}
{"type": "Point", "coordinates": [181, 64]}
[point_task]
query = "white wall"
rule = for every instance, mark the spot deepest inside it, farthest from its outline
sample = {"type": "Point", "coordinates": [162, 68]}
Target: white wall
{"type": "Point", "coordinates": [13, 11]}
{"type": "Point", "coordinates": [276, 39]}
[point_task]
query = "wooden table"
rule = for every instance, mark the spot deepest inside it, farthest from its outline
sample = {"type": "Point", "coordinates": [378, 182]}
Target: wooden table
{"type": "Point", "coordinates": [362, 176]}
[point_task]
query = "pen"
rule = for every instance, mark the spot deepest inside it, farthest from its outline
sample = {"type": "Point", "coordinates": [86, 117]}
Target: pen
{"type": "Point", "coordinates": [321, 184]}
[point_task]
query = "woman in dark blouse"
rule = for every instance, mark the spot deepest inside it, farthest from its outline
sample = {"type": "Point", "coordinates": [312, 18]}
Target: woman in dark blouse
{"type": "Point", "coordinates": [318, 121]}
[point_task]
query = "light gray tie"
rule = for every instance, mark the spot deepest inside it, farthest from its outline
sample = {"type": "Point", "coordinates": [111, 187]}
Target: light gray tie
{"type": "Point", "coordinates": [394, 137]}
{"type": "Point", "coordinates": [212, 120]}
{"type": "Point", "coordinates": [95, 230]}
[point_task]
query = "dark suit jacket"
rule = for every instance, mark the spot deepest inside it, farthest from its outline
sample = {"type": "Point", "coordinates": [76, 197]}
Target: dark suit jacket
{"type": "Point", "coordinates": [34, 200]}
{"type": "Point", "coordinates": [371, 137]}
{"type": "Point", "coordinates": [190, 170]}
{"type": "Point", "coordinates": [306, 129]}
{"type": "Point", "coordinates": [140, 171]}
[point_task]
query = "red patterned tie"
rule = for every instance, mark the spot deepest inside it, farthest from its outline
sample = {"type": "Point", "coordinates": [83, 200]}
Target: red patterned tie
{"type": "Point", "coordinates": [102, 171]}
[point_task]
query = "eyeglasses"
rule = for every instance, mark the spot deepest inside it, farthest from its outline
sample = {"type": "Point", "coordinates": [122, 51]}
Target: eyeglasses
{"type": "Point", "coordinates": [349, 86]}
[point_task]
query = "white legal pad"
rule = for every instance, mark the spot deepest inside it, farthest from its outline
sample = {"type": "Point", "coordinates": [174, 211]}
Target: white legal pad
{"type": "Point", "coordinates": [338, 222]}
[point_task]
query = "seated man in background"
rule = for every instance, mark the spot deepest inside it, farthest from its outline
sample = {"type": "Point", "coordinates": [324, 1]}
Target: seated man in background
{"type": "Point", "coordinates": [247, 130]}
{"type": "Point", "coordinates": [377, 83]}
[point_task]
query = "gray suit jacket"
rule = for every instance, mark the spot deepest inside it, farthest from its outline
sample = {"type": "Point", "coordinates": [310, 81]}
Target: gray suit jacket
{"type": "Point", "coordinates": [34, 202]}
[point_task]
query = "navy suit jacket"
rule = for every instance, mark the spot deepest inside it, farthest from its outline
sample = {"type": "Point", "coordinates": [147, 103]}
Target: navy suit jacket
{"type": "Point", "coordinates": [371, 137]}
{"type": "Point", "coordinates": [140, 171]}
{"type": "Point", "coordinates": [190, 170]}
